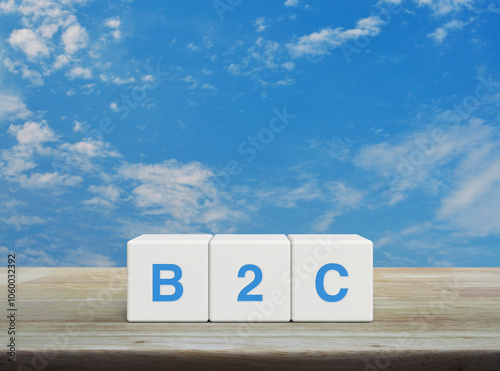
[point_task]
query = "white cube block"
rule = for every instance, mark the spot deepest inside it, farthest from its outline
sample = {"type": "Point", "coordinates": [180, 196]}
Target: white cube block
{"type": "Point", "coordinates": [332, 278]}
{"type": "Point", "coordinates": [168, 278]}
{"type": "Point", "coordinates": [248, 278]}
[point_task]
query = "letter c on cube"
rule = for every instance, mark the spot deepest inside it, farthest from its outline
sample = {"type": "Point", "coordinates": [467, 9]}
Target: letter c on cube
{"type": "Point", "coordinates": [320, 282]}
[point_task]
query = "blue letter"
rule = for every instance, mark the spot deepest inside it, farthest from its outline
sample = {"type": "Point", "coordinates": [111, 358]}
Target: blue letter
{"type": "Point", "coordinates": [174, 281]}
{"type": "Point", "coordinates": [320, 278]}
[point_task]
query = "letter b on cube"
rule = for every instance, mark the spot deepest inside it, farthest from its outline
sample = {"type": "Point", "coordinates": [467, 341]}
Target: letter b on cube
{"type": "Point", "coordinates": [168, 278]}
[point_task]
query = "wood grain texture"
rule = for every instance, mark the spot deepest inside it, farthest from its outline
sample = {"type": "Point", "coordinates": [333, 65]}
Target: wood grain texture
{"type": "Point", "coordinates": [424, 318]}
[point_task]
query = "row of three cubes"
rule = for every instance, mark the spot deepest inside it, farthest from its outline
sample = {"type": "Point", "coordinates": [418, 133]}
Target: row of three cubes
{"type": "Point", "coordinates": [250, 278]}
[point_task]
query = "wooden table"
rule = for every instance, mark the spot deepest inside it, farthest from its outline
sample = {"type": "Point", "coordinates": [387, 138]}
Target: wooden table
{"type": "Point", "coordinates": [425, 318]}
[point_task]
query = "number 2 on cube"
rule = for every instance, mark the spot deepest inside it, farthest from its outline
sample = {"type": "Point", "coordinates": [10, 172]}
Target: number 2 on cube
{"type": "Point", "coordinates": [244, 293]}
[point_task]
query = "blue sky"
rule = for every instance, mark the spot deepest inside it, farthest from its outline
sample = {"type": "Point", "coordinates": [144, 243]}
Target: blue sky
{"type": "Point", "coordinates": [123, 118]}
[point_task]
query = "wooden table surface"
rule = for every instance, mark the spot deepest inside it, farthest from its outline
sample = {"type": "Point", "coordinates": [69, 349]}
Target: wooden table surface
{"type": "Point", "coordinates": [424, 318]}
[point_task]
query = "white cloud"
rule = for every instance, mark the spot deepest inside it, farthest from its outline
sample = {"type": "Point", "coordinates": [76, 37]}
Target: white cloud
{"type": "Point", "coordinates": [459, 164]}
{"type": "Point", "coordinates": [193, 83]}
{"type": "Point", "coordinates": [285, 81]}
{"type": "Point", "coordinates": [74, 38]}
{"type": "Point", "coordinates": [22, 221]}
{"type": "Point", "coordinates": [12, 108]}
{"type": "Point", "coordinates": [439, 7]}
{"type": "Point", "coordinates": [116, 34]}
{"type": "Point", "coordinates": [438, 35]}
{"type": "Point", "coordinates": [19, 68]}
{"type": "Point", "coordinates": [48, 30]}
{"type": "Point", "coordinates": [79, 126]}
{"type": "Point", "coordinates": [443, 7]}
{"type": "Point", "coordinates": [208, 87]}
{"type": "Point", "coordinates": [12, 216]}
{"type": "Point", "coordinates": [50, 34]}
{"type": "Point", "coordinates": [192, 46]}
{"type": "Point", "coordinates": [110, 191]}
{"type": "Point", "coordinates": [333, 198]}
{"type": "Point", "coordinates": [84, 156]}
{"type": "Point", "coordinates": [442, 32]}
{"type": "Point", "coordinates": [61, 61]}
{"type": "Point", "coordinates": [32, 133]}
{"type": "Point", "coordinates": [208, 43]}
{"type": "Point", "coordinates": [395, 2]}
{"type": "Point", "coordinates": [107, 195]}
{"type": "Point", "coordinates": [267, 53]}
{"type": "Point", "coordinates": [8, 6]}
{"type": "Point", "coordinates": [123, 80]}
{"type": "Point", "coordinates": [19, 164]}
{"type": "Point", "coordinates": [29, 42]}
{"type": "Point", "coordinates": [409, 163]}
{"type": "Point", "coordinates": [15, 161]}
{"type": "Point", "coordinates": [260, 24]}
{"type": "Point", "coordinates": [327, 39]}
{"type": "Point", "coordinates": [234, 69]}
{"type": "Point", "coordinates": [47, 180]}
{"type": "Point", "coordinates": [456, 24]}
{"type": "Point", "coordinates": [472, 208]}
{"type": "Point", "coordinates": [338, 198]}
{"type": "Point", "coordinates": [90, 148]}
{"type": "Point", "coordinates": [186, 193]}
{"type": "Point", "coordinates": [148, 78]}
{"type": "Point", "coordinates": [468, 192]}
{"type": "Point", "coordinates": [336, 148]}
{"type": "Point", "coordinates": [113, 23]}
{"type": "Point", "coordinates": [324, 221]}
{"type": "Point", "coordinates": [170, 187]}
{"type": "Point", "coordinates": [291, 3]}
{"type": "Point", "coordinates": [79, 72]}
{"type": "Point", "coordinates": [288, 65]}
{"type": "Point", "coordinates": [342, 195]}
{"type": "Point", "coordinates": [331, 193]}
{"type": "Point", "coordinates": [263, 58]}
{"type": "Point", "coordinates": [290, 197]}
